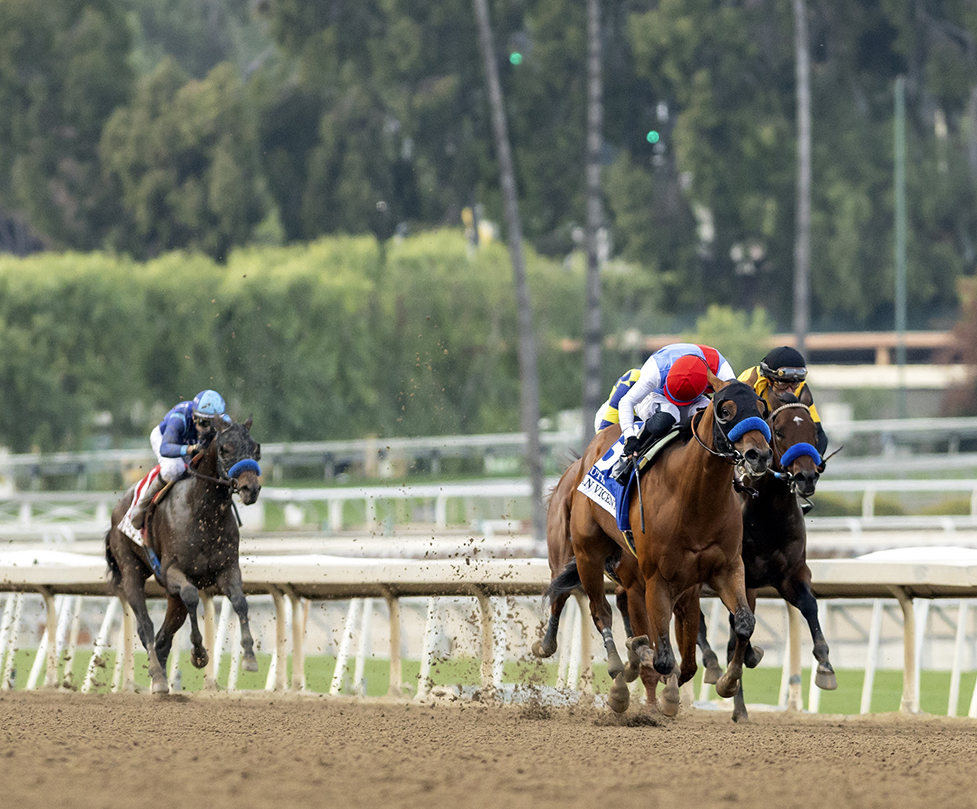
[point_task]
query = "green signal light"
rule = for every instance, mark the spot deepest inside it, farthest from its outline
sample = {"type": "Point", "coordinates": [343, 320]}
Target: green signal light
{"type": "Point", "coordinates": [515, 58]}
{"type": "Point", "coordinates": [652, 136]}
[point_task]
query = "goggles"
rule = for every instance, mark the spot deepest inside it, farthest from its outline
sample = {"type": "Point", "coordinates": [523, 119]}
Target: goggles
{"type": "Point", "coordinates": [783, 374]}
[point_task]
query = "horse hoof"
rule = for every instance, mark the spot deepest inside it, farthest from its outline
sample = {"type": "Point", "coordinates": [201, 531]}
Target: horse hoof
{"type": "Point", "coordinates": [249, 663]}
{"type": "Point", "coordinates": [671, 698]}
{"type": "Point", "coordinates": [160, 687]}
{"type": "Point", "coordinates": [631, 671]}
{"type": "Point", "coordinates": [539, 650]}
{"type": "Point", "coordinates": [712, 674]}
{"type": "Point", "coordinates": [742, 718]}
{"type": "Point", "coordinates": [619, 697]}
{"type": "Point", "coordinates": [199, 660]}
{"type": "Point", "coordinates": [727, 686]}
{"type": "Point", "coordinates": [751, 661]}
{"type": "Point", "coordinates": [825, 680]}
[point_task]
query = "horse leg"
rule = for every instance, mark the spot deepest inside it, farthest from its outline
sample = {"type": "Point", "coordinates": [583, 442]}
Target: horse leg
{"type": "Point", "coordinates": [710, 660]}
{"type": "Point", "coordinates": [546, 647]}
{"type": "Point", "coordinates": [799, 594]}
{"type": "Point", "coordinates": [176, 614]}
{"type": "Point", "coordinates": [179, 586]}
{"type": "Point", "coordinates": [730, 586]}
{"type": "Point", "coordinates": [135, 594]}
{"type": "Point", "coordinates": [591, 571]}
{"type": "Point", "coordinates": [658, 603]}
{"type": "Point", "coordinates": [230, 584]}
{"type": "Point", "coordinates": [632, 668]}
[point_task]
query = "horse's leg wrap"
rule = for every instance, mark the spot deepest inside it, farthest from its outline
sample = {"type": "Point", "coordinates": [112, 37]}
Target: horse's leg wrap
{"type": "Point", "coordinates": [546, 647]}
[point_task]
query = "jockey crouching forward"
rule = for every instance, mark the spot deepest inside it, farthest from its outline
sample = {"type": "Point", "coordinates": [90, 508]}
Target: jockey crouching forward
{"type": "Point", "coordinates": [183, 432]}
{"type": "Point", "coordinates": [671, 386]}
{"type": "Point", "coordinates": [783, 370]}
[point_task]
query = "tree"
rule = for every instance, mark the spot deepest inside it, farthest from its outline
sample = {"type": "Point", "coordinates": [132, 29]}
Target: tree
{"type": "Point", "coordinates": [528, 374]}
{"type": "Point", "coordinates": [184, 157]}
{"type": "Point", "coordinates": [64, 70]}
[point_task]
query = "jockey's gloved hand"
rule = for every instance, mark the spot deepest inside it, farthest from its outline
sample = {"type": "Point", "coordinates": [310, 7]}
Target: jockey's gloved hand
{"type": "Point", "coordinates": [193, 449]}
{"type": "Point", "coordinates": [631, 445]}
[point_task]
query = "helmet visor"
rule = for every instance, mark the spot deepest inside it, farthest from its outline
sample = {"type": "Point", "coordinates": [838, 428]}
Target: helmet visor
{"type": "Point", "coordinates": [784, 374]}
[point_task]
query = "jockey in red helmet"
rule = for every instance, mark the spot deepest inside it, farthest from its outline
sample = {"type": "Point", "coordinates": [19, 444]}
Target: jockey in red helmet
{"type": "Point", "coordinates": [673, 384]}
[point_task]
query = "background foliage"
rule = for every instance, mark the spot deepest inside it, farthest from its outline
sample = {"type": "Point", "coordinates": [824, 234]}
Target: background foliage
{"type": "Point", "coordinates": [143, 127]}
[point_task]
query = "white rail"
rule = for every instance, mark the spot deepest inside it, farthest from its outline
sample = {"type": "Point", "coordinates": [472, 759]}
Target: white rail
{"type": "Point", "coordinates": [315, 577]}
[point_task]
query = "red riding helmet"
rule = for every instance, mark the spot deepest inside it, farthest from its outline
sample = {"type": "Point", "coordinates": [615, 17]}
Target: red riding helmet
{"type": "Point", "coordinates": [686, 380]}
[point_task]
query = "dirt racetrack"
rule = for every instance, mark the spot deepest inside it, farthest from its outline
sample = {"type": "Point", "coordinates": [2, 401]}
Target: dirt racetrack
{"type": "Point", "coordinates": [116, 751]}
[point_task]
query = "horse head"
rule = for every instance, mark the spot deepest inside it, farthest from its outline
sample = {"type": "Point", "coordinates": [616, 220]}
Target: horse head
{"type": "Point", "coordinates": [794, 438]}
{"type": "Point", "coordinates": [739, 429]}
{"type": "Point", "coordinates": [237, 456]}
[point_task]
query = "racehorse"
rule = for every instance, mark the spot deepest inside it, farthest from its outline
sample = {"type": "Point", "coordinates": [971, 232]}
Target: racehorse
{"type": "Point", "coordinates": [622, 568]}
{"type": "Point", "coordinates": [774, 534]}
{"type": "Point", "coordinates": [191, 543]}
{"type": "Point", "coordinates": [690, 533]}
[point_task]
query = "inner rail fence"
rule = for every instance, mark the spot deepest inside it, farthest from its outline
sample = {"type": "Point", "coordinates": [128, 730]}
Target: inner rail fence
{"type": "Point", "coordinates": [485, 508]}
{"type": "Point", "coordinates": [921, 443]}
{"type": "Point", "coordinates": [915, 590]}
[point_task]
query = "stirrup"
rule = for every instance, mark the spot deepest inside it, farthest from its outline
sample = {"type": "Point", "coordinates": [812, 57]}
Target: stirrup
{"type": "Point", "coordinates": [806, 505]}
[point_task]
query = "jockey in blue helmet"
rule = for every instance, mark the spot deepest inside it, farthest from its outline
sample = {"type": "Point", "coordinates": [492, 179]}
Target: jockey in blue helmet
{"type": "Point", "coordinates": [184, 431]}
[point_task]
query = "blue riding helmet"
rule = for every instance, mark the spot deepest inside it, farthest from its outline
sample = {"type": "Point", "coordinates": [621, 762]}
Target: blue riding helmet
{"type": "Point", "coordinates": [208, 403]}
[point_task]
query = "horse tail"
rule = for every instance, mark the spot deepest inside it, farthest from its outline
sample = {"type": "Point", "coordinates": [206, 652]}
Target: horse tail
{"type": "Point", "coordinates": [115, 572]}
{"type": "Point", "coordinates": [565, 583]}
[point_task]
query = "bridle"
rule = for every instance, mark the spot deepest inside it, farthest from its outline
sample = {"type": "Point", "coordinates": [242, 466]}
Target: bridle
{"type": "Point", "coordinates": [228, 477]}
{"type": "Point", "coordinates": [729, 453]}
{"type": "Point", "coordinates": [793, 452]}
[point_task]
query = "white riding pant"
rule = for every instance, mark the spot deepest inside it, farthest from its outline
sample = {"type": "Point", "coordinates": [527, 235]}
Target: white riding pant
{"type": "Point", "coordinates": [656, 402]}
{"type": "Point", "coordinates": [170, 469]}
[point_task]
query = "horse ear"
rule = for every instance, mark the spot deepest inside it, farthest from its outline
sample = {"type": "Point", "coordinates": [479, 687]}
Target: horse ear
{"type": "Point", "coordinates": [219, 424]}
{"type": "Point", "coordinates": [714, 381]}
{"type": "Point", "coordinates": [247, 424]}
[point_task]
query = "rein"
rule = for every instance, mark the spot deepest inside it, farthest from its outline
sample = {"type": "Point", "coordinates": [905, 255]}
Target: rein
{"type": "Point", "coordinates": [733, 457]}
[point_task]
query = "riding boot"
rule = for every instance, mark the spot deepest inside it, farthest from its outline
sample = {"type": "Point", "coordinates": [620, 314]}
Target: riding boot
{"type": "Point", "coordinates": [806, 505]}
{"type": "Point", "coordinates": [654, 428]}
{"type": "Point", "coordinates": [139, 512]}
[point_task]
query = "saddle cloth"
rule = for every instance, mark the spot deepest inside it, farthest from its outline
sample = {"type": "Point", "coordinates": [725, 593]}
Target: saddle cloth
{"type": "Point", "coordinates": [125, 524]}
{"type": "Point", "coordinates": [612, 496]}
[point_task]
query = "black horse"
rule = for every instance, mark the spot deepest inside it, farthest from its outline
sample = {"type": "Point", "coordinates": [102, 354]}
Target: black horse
{"type": "Point", "coordinates": [775, 537]}
{"type": "Point", "coordinates": [192, 544]}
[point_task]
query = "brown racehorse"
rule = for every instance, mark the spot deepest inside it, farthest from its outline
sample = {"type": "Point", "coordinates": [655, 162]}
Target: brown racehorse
{"type": "Point", "coordinates": [192, 544]}
{"type": "Point", "coordinates": [629, 593]}
{"type": "Point", "coordinates": [774, 534]}
{"type": "Point", "coordinates": [691, 534]}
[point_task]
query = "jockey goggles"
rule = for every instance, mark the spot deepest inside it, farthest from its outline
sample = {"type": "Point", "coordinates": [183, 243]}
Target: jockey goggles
{"type": "Point", "coordinates": [783, 374]}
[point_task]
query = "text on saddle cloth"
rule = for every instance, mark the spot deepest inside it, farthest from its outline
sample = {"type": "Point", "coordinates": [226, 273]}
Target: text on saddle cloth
{"type": "Point", "coordinates": [604, 490]}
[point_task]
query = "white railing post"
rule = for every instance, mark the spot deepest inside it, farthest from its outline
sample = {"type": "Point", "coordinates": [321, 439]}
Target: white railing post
{"type": "Point", "coordinates": [871, 657]}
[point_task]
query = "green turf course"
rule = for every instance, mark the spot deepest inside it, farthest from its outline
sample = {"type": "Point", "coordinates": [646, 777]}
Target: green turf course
{"type": "Point", "coordinates": [761, 685]}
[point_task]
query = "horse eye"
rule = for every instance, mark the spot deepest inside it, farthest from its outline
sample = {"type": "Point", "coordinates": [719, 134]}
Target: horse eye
{"type": "Point", "coordinates": [778, 433]}
{"type": "Point", "coordinates": [257, 452]}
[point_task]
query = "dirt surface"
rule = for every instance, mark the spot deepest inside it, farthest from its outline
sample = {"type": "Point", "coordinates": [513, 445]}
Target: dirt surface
{"type": "Point", "coordinates": [66, 750]}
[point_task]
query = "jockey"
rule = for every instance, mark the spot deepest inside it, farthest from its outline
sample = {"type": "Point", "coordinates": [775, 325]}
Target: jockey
{"type": "Point", "coordinates": [182, 433]}
{"type": "Point", "coordinates": [783, 370]}
{"type": "Point", "coordinates": [607, 414]}
{"type": "Point", "coordinates": [671, 386]}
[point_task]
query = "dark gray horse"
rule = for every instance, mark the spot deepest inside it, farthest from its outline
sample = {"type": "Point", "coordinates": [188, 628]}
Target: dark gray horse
{"type": "Point", "coordinates": [191, 544]}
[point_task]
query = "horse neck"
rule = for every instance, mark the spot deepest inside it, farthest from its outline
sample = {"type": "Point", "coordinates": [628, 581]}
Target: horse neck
{"type": "Point", "coordinates": [704, 470]}
{"type": "Point", "coordinates": [207, 465]}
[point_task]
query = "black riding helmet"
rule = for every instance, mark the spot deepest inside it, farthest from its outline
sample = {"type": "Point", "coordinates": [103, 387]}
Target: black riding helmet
{"type": "Point", "coordinates": [784, 364]}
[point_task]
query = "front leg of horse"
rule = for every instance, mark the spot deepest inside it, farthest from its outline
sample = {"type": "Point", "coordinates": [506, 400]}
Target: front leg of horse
{"type": "Point", "coordinates": [743, 624]}
{"type": "Point", "coordinates": [177, 584]}
{"type": "Point", "coordinates": [136, 598]}
{"type": "Point", "coordinates": [230, 584]}
{"type": "Point", "coordinates": [176, 614]}
{"type": "Point", "coordinates": [808, 605]}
